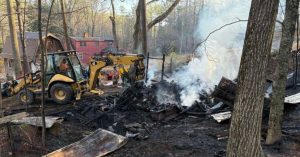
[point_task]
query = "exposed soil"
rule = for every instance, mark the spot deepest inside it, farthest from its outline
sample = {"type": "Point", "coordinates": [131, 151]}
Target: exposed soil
{"type": "Point", "coordinates": [184, 136]}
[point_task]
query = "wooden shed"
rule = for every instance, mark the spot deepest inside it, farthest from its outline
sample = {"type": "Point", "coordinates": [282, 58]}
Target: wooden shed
{"type": "Point", "coordinates": [32, 48]}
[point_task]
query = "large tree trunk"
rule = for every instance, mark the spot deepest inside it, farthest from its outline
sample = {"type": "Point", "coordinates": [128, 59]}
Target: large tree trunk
{"type": "Point", "coordinates": [144, 27]}
{"type": "Point", "coordinates": [244, 135]}
{"type": "Point", "coordinates": [137, 29]}
{"type": "Point", "coordinates": [22, 38]}
{"type": "Point", "coordinates": [65, 25]}
{"type": "Point", "coordinates": [14, 38]}
{"type": "Point", "coordinates": [277, 100]}
{"type": "Point", "coordinates": [113, 23]}
{"type": "Point", "coordinates": [42, 48]}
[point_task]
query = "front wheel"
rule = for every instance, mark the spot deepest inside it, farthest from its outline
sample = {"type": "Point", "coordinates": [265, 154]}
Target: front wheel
{"type": "Point", "coordinates": [61, 93]}
{"type": "Point", "coordinates": [26, 97]}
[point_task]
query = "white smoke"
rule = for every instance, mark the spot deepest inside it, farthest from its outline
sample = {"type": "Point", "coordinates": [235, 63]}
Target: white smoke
{"type": "Point", "coordinates": [153, 71]}
{"type": "Point", "coordinates": [221, 53]}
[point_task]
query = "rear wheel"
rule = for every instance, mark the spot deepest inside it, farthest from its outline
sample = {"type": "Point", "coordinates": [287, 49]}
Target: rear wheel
{"type": "Point", "coordinates": [26, 97]}
{"type": "Point", "coordinates": [61, 93]}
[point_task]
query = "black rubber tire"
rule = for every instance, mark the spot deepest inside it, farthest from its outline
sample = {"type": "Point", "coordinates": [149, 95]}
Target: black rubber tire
{"type": "Point", "coordinates": [7, 93]}
{"type": "Point", "coordinates": [68, 93]}
{"type": "Point", "coordinates": [30, 97]}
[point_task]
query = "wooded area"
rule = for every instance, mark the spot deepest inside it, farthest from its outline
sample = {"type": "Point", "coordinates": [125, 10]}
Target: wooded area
{"type": "Point", "coordinates": [93, 17]}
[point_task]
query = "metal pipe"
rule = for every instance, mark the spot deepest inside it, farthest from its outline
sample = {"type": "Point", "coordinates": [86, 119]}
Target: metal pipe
{"type": "Point", "coordinates": [147, 66]}
{"type": "Point", "coordinates": [163, 67]}
{"type": "Point", "coordinates": [171, 65]}
{"type": "Point", "coordinates": [10, 138]}
{"type": "Point", "coordinates": [155, 58]}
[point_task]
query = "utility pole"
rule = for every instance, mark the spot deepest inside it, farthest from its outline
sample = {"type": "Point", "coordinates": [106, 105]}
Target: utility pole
{"type": "Point", "coordinates": [13, 36]}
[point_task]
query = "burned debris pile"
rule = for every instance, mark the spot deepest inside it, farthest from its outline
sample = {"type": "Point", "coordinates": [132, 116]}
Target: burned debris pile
{"type": "Point", "coordinates": [135, 110]}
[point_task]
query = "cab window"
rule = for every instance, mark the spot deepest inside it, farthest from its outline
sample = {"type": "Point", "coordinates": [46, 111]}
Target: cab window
{"type": "Point", "coordinates": [50, 67]}
{"type": "Point", "coordinates": [63, 65]}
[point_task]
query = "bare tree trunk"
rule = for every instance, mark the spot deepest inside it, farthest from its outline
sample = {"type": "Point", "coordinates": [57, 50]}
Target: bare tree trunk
{"type": "Point", "coordinates": [1, 106]}
{"type": "Point", "coordinates": [94, 15]}
{"type": "Point", "coordinates": [137, 30]}
{"type": "Point", "coordinates": [277, 100]}
{"type": "Point", "coordinates": [144, 26]}
{"type": "Point", "coordinates": [245, 128]}
{"type": "Point", "coordinates": [113, 23]}
{"type": "Point", "coordinates": [2, 34]}
{"type": "Point", "coordinates": [14, 38]}
{"type": "Point", "coordinates": [22, 37]}
{"type": "Point", "coordinates": [42, 48]}
{"type": "Point", "coordinates": [65, 25]}
{"type": "Point", "coordinates": [141, 24]}
{"type": "Point", "coordinates": [48, 20]}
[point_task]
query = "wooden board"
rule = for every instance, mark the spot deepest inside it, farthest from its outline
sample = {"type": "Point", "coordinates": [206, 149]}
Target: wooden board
{"type": "Point", "coordinates": [10, 118]}
{"type": "Point", "coordinates": [99, 143]}
{"type": "Point", "coordinates": [37, 121]}
{"type": "Point", "coordinates": [220, 117]}
{"type": "Point", "coordinates": [293, 99]}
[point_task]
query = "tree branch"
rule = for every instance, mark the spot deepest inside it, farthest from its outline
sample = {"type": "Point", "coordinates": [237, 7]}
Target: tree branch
{"type": "Point", "coordinates": [70, 12]}
{"type": "Point", "coordinates": [228, 24]}
{"type": "Point", "coordinates": [152, 1]}
{"type": "Point", "coordinates": [163, 15]}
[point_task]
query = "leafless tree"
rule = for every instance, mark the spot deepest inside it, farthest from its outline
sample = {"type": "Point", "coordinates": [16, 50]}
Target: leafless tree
{"type": "Point", "coordinates": [67, 39]}
{"type": "Point", "coordinates": [279, 84]}
{"type": "Point", "coordinates": [14, 38]}
{"type": "Point", "coordinates": [42, 48]}
{"type": "Point", "coordinates": [113, 23]}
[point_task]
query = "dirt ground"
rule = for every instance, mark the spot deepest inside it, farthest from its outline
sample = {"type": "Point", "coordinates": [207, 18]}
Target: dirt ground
{"type": "Point", "coordinates": [184, 136]}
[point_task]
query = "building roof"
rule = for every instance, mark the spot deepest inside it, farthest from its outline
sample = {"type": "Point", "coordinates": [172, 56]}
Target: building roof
{"type": "Point", "coordinates": [31, 45]}
{"type": "Point", "coordinates": [91, 39]}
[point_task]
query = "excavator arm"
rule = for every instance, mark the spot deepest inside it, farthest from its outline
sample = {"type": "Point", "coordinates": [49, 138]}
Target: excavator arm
{"type": "Point", "coordinates": [94, 69]}
{"type": "Point", "coordinates": [96, 64]}
{"type": "Point", "coordinates": [17, 85]}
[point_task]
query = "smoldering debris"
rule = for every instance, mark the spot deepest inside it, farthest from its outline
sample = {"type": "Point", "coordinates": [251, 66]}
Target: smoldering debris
{"type": "Point", "coordinates": [140, 104]}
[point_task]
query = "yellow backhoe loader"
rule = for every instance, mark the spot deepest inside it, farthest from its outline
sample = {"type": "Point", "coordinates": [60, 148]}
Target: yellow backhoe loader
{"type": "Point", "coordinates": [65, 78]}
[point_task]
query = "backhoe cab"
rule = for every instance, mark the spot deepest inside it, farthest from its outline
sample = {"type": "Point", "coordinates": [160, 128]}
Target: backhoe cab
{"type": "Point", "coordinates": [64, 77]}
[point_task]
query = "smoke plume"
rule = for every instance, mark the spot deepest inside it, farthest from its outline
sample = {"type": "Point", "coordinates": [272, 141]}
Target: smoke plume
{"type": "Point", "coordinates": [220, 54]}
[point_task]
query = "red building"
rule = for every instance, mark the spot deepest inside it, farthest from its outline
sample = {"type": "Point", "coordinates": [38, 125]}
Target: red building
{"type": "Point", "coordinates": [88, 46]}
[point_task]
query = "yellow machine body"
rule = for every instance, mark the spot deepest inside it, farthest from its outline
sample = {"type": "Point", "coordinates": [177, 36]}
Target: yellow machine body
{"type": "Point", "coordinates": [73, 83]}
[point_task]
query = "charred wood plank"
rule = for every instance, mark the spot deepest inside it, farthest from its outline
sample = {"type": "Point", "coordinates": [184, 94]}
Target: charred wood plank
{"type": "Point", "coordinates": [225, 90]}
{"type": "Point", "coordinates": [10, 118]}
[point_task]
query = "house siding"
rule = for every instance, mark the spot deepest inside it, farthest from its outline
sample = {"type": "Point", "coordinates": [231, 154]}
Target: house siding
{"type": "Point", "coordinates": [89, 49]}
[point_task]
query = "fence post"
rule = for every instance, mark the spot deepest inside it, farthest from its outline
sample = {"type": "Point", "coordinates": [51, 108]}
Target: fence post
{"type": "Point", "coordinates": [163, 67]}
{"type": "Point", "coordinates": [147, 66]}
